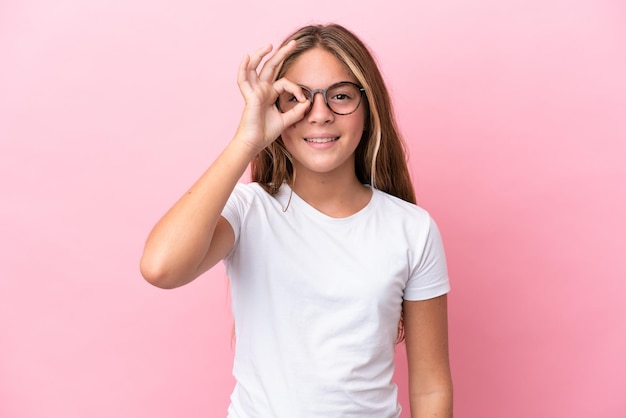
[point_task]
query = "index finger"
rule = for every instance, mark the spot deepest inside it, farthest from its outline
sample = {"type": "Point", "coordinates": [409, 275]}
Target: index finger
{"type": "Point", "coordinates": [268, 72]}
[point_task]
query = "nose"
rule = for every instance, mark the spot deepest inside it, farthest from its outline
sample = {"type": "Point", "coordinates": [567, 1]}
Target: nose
{"type": "Point", "coordinates": [319, 112]}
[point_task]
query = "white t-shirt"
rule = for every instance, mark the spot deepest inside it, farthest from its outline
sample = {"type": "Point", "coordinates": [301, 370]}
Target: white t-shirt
{"type": "Point", "coordinates": [317, 300]}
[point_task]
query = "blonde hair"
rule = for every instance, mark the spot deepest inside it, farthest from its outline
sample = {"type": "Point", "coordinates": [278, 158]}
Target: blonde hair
{"type": "Point", "coordinates": [380, 158]}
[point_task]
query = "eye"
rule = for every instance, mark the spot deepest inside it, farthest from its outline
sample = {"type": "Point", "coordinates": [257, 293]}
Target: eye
{"type": "Point", "coordinates": [343, 92]}
{"type": "Point", "coordinates": [343, 95]}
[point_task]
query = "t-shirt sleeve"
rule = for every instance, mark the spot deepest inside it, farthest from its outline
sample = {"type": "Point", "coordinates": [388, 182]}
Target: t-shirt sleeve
{"type": "Point", "coordinates": [429, 276]}
{"type": "Point", "coordinates": [236, 207]}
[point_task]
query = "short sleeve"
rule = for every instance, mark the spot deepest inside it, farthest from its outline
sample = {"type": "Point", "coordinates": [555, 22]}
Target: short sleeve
{"type": "Point", "coordinates": [429, 276]}
{"type": "Point", "coordinates": [236, 207]}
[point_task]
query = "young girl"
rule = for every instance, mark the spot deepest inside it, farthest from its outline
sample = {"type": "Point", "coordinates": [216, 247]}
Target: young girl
{"type": "Point", "coordinates": [330, 261]}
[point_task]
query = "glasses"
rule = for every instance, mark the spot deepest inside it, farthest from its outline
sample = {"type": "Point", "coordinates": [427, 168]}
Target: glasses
{"type": "Point", "coordinates": [342, 98]}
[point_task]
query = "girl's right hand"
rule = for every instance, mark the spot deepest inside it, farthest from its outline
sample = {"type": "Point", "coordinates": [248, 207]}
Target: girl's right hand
{"type": "Point", "coordinates": [261, 122]}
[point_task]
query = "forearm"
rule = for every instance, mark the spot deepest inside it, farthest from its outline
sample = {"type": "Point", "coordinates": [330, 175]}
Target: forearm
{"type": "Point", "coordinates": [430, 378]}
{"type": "Point", "coordinates": [434, 404]}
{"type": "Point", "coordinates": [179, 242]}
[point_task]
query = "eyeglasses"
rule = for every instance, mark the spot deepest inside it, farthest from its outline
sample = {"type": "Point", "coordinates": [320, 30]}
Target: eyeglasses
{"type": "Point", "coordinates": [342, 98]}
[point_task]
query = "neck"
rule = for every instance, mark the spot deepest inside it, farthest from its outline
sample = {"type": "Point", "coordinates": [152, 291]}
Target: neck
{"type": "Point", "coordinates": [334, 195]}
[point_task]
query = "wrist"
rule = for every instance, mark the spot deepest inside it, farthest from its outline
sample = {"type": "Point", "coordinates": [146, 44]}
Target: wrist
{"type": "Point", "coordinates": [245, 147]}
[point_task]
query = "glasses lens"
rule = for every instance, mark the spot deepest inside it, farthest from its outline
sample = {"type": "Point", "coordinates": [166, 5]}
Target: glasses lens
{"type": "Point", "coordinates": [343, 98]}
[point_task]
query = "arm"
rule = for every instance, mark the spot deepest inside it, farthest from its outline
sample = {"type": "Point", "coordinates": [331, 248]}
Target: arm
{"type": "Point", "coordinates": [192, 236]}
{"type": "Point", "coordinates": [426, 334]}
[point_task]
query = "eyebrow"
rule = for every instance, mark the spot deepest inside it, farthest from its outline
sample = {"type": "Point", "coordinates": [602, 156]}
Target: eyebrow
{"type": "Point", "coordinates": [330, 85]}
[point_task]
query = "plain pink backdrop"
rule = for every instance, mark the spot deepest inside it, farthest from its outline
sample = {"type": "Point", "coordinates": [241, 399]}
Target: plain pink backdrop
{"type": "Point", "coordinates": [515, 116]}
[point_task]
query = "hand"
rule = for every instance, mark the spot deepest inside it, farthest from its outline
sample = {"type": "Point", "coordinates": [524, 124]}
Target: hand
{"type": "Point", "coordinates": [261, 122]}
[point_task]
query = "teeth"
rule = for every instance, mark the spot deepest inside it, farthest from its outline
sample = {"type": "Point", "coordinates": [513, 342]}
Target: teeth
{"type": "Point", "coordinates": [321, 140]}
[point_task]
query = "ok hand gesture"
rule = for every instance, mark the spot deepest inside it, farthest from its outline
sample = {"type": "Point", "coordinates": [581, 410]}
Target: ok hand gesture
{"type": "Point", "coordinates": [261, 122]}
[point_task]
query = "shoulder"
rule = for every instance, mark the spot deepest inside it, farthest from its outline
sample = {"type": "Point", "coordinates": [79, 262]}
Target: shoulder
{"type": "Point", "coordinates": [247, 197]}
{"type": "Point", "coordinates": [248, 190]}
{"type": "Point", "coordinates": [406, 221]}
{"type": "Point", "coordinates": [401, 209]}
{"type": "Point", "coordinates": [247, 193]}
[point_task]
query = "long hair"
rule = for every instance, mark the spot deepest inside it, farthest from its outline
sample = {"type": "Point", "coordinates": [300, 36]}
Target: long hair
{"type": "Point", "coordinates": [380, 157]}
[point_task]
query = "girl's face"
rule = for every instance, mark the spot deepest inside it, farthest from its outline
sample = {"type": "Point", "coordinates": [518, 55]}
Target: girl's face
{"type": "Point", "coordinates": [323, 143]}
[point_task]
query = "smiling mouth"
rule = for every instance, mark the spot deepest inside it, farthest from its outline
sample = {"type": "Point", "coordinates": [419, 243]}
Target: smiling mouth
{"type": "Point", "coordinates": [321, 140]}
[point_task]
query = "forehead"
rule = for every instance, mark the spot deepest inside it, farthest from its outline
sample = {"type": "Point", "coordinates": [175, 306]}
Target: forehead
{"type": "Point", "coordinates": [318, 68]}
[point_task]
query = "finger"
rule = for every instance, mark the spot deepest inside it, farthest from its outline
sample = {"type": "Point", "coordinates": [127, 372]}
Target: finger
{"type": "Point", "coordinates": [245, 79]}
{"type": "Point", "coordinates": [284, 85]}
{"type": "Point", "coordinates": [242, 72]}
{"type": "Point", "coordinates": [268, 72]}
{"type": "Point", "coordinates": [249, 64]}
{"type": "Point", "coordinates": [298, 111]}
{"type": "Point", "coordinates": [258, 56]}
{"type": "Point", "coordinates": [296, 114]}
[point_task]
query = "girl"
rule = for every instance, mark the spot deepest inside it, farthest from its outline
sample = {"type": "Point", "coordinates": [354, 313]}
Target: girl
{"type": "Point", "coordinates": [330, 261]}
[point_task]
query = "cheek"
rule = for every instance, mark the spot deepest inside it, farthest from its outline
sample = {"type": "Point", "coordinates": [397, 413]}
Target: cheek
{"type": "Point", "coordinates": [290, 139]}
{"type": "Point", "coordinates": [289, 134]}
{"type": "Point", "coordinates": [358, 125]}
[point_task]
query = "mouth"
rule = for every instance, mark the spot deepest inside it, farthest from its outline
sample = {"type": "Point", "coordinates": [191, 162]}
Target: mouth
{"type": "Point", "coordinates": [321, 140]}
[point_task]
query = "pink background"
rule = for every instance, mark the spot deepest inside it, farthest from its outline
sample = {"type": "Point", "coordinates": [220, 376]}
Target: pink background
{"type": "Point", "coordinates": [515, 115]}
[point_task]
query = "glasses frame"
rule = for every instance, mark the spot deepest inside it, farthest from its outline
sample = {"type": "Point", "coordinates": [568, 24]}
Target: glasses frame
{"type": "Point", "coordinates": [323, 93]}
